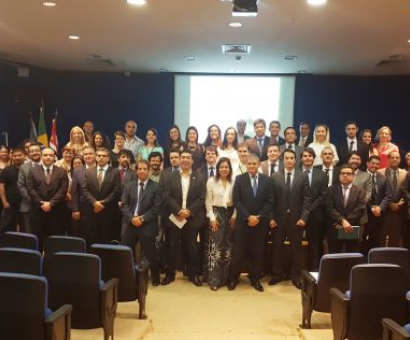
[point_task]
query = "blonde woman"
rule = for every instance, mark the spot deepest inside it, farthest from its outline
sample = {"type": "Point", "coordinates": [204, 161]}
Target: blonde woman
{"type": "Point", "coordinates": [384, 145]}
{"type": "Point", "coordinates": [321, 138]}
{"type": "Point", "coordinates": [77, 140]}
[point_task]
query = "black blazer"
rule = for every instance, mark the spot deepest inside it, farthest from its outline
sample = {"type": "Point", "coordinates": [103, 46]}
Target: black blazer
{"type": "Point", "coordinates": [298, 205]}
{"type": "Point", "coordinates": [77, 197]}
{"type": "Point", "coordinates": [280, 141]}
{"type": "Point", "coordinates": [39, 190]}
{"type": "Point", "coordinates": [307, 142]}
{"type": "Point", "coordinates": [354, 210]}
{"type": "Point", "coordinates": [336, 172]}
{"type": "Point", "coordinates": [318, 191]}
{"type": "Point", "coordinates": [383, 195]}
{"type": "Point", "coordinates": [149, 206]}
{"type": "Point", "coordinates": [110, 192]}
{"type": "Point", "coordinates": [253, 146]}
{"type": "Point", "coordinates": [343, 152]}
{"type": "Point", "coordinates": [247, 204]}
{"type": "Point", "coordinates": [195, 199]}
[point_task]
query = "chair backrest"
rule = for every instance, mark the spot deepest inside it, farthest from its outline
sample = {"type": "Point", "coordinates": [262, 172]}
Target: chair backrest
{"type": "Point", "coordinates": [23, 306]}
{"type": "Point", "coordinates": [117, 262]}
{"type": "Point", "coordinates": [377, 291]}
{"type": "Point", "coordinates": [75, 279]}
{"type": "Point", "coordinates": [334, 272]}
{"type": "Point", "coordinates": [19, 240]}
{"type": "Point", "coordinates": [392, 255]}
{"type": "Point", "coordinates": [23, 261]}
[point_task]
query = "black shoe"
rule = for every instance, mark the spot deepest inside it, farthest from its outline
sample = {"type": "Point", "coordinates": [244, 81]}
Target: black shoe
{"type": "Point", "coordinates": [214, 288]}
{"type": "Point", "coordinates": [167, 280]}
{"type": "Point", "coordinates": [155, 282]}
{"type": "Point", "coordinates": [273, 281]}
{"type": "Point", "coordinates": [196, 281]}
{"type": "Point", "coordinates": [232, 285]}
{"type": "Point", "coordinates": [297, 284]}
{"type": "Point", "coordinates": [257, 285]}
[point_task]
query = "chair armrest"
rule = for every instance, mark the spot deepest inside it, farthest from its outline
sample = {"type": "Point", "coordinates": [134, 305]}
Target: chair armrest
{"type": "Point", "coordinates": [108, 307]}
{"type": "Point", "coordinates": [340, 309]}
{"type": "Point", "coordinates": [58, 324]}
{"type": "Point", "coordinates": [393, 331]}
{"type": "Point", "coordinates": [308, 294]}
{"type": "Point", "coordinates": [141, 272]}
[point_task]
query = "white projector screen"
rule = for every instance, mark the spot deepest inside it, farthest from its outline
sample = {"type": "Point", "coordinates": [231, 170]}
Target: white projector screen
{"type": "Point", "coordinates": [222, 100]}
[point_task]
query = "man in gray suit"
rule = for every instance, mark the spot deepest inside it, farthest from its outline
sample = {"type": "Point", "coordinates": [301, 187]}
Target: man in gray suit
{"type": "Point", "coordinates": [34, 154]}
{"type": "Point", "coordinates": [290, 144]}
{"type": "Point", "coordinates": [289, 218]}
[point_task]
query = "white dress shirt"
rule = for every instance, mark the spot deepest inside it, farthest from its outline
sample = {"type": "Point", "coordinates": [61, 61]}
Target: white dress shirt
{"type": "Point", "coordinates": [218, 196]}
{"type": "Point", "coordinates": [185, 180]}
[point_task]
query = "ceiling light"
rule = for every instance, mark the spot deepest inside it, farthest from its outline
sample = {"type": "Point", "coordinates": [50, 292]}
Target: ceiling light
{"type": "Point", "coordinates": [290, 57]}
{"type": "Point", "coordinates": [49, 3]}
{"type": "Point", "coordinates": [73, 37]}
{"type": "Point", "coordinates": [235, 24]}
{"type": "Point", "coordinates": [137, 2]}
{"type": "Point", "coordinates": [408, 41]}
{"type": "Point", "coordinates": [316, 2]}
{"type": "Point", "coordinates": [189, 58]}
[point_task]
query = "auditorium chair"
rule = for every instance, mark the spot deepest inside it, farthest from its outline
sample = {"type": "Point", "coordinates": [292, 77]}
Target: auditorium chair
{"type": "Point", "coordinates": [392, 255]}
{"type": "Point", "coordinates": [117, 261]}
{"type": "Point", "coordinates": [393, 331]}
{"type": "Point", "coordinates": [75, 279]}
{"type": "Point", "coordinates": [19, 240]}
{"type": "Point", "coordinates": [376, 291]}
{"type": "Point", "coordinates": [56, 244]}
{"type": "Point", "coordinates": [24, 313]}
{"type": "Point", "coordinates": [334, 271]}
{"type": "Point", "coordinates": [19, 260]}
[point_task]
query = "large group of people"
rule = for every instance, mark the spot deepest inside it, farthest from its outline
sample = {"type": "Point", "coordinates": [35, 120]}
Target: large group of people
{"type": "Point", "coordinates": [217, 205]}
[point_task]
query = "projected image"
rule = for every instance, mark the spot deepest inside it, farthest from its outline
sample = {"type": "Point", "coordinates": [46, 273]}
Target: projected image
{"type": "Point", "coordinates": [205, 100]}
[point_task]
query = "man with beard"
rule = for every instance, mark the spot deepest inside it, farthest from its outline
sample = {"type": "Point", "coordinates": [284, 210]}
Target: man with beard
{"type": "Point", "coordinates": [9, 193]}
{"type": "Point", "coordinates": [34, 154]}
{"type": "Point", "coordinates": [126, 173]}
{"type": "Point", "coordinates": [155, 161]}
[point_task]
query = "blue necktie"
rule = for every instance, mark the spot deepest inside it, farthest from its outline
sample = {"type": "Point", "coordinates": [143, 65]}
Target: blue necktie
{"type": "Point", "coordinates": [254, 185]}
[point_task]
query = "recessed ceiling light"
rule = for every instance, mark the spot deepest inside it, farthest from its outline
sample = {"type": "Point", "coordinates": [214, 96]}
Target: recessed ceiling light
{"type": "Point", "coordinates": [408, 41]}
{"type": "Point", "coordinates": [49, 3]}
{"type": "Point", "coordinates": [137, 2]}
{"type": "Point", "coordinates": [235, 24]}
{"type": "Point", "coordinates": [290, 57]}
{"type": "Point", "coordinates": [316, 2]}
{"type": "Point", "coordinates": [189, 58]}
{"type": "Point", "coordinates": [73, 37]}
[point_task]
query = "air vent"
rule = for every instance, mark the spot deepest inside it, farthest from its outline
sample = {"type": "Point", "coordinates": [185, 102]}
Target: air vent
{"type": "Point", "coordinates": [394, 60]}
{"type": "Point", "coordinates": [236, 49]}
{"type": "Point", "coordinates": [97, 60]}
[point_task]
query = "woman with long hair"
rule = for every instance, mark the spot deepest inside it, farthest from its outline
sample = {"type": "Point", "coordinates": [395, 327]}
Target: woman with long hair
{"type": "Point", "coordinates": [384, 145]}
{"type": "Point", "coordinates": [77, 140]}
{"type": "Point", "coordinates": [197, 150]}
{"type": "Point", "coordinates": [321, 138]}
{"type": "Point", "coordinates": [174, 141]}
{"type": "Point", "coordinates": [100, 140]}
{"type": "Point", "coordinates": [222, 217]}
{"type": "Point", "coordinates": [366, 136]}
{"type": "Point", "coordinates": [229, 147]}
{"type": "Point", "coordinates": [5, 159]}
{"type": "Point", "coordinates": [150, 145]}
{"type": "Point", "coordinates": [214, 137]}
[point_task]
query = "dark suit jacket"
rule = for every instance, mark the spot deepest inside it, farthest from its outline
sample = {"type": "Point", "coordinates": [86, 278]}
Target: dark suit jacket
{"type": "Point", "coordinates": [110, 192]}
{"type": "Point", "coordinates": [265, 165]}
{"type": "Point", "coordinates": [298, 205]}
{"type": "Point", "coordinates": [336, 172]}
{"type": "Point", "coordinates": [354, 210]}
{"type": "Point", "coordinates": [247, 204]}
{"type": "Point", "coordinates": [39, 190]}
{"type": "Point", "coordinates": [343, 152]}
{"type": "Point", "coordinates": [253, 146]}
{"type": "Point", "coordinates": [402, 174]}
{"type": "Point", "coordinates": [149, 206]}
{"type": "Point", "coordinates": [22, 186]}
{"type": "Point", "coordinates": [405, 191]}
{"type": "Point", "coordinates": [318, 191]}
{"type": "Point", "coordinates": [279, 142]}
{"type": "Point", "coordinates": [77, 197]}
{"type": "Point", "coordinates": [195, 199]}
{"type": "Point", "coordinates": [129, 176]}
{"type": "Point", "coordinates": [204, 171]}
{"type": "Point", "coordinates": [383, 195]}
{"type": "Point", "coordinates": [298, 151]}
{"type": "Point", "coordinates": [308, 141]}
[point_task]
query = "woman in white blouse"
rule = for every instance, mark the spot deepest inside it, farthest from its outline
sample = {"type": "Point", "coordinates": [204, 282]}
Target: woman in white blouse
{"type": "Point", "coordinates": [222, 216]}
{"type": "Point", "coordinates": [321, 138]}
{"type": "Point", "coordinates": [229, 147]}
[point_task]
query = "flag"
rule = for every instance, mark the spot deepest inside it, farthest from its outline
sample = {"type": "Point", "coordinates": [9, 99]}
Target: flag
{"type": "Point", "coordinates": [53, 136]}
{"type": "Point", "coordinates": [33, 130]}
{"type": "Point", "coordinates": [42, 132]}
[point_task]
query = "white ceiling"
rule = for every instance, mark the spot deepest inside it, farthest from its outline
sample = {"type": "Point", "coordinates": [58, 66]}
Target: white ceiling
{"type": "Point", "coordinates": [342, 37]}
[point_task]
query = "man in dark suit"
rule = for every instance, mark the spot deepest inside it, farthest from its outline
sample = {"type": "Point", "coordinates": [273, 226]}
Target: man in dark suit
{"type": "Point", "coordinates": [332, 172]}
{"type": "Point", "coordinates": [141, 201]}
{"type": "Point", "coordinates": [274, 128]}
{"type": "Point", "coordinates": [253, 200]}
{"type": "Point", "coordinates": [127, 175]}
{"type": "Point", "coordinates": [376, 206]}
{"type": "Point", "coordinates": [350, 144]}
{"type": "Point", "coordinates": [47, 186]}
{"type": "Point", "coordinates": [259, 144]}
{"type": "Point", "coordinates": [102, 190]}
{"type": "Point", "coordinates": [304, 138]}
{"type": "Point", "coordinates": [318, 189]}
{"type": "Point", "coordinates": [346, 204]}
{"type": "Point", "coordinates": [209, 168]}
{"type": "Point", "coordinates": [78, 201]}
{"type": "Point", "coordinates": [289, 218]}
{"type": "Point", "coordinates": [274, 162]}
{"type": "Point", "coordinates": [185, 199]}
{"type": "Point", "coordinates": [290, 138]}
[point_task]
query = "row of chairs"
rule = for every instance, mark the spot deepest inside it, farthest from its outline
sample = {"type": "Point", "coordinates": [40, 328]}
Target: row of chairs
{"type": "Point", "coordinates": [77, 278]}
{"type": "Point", "coordinates": [357, 314]}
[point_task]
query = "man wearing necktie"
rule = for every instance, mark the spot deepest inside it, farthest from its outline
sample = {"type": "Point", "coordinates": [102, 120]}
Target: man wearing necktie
{"type": "Point", "coordinates": [259, 144]}
{"type": "Point", "coordinates": [102, 191]}
{"type": "Point", "coordinates": [141, 202]}
{"type": "Point", "coordinates": [252, 198]}
{"type": "Point", "coordinates": [346, 204]}
{"type": "Point", "coordinates": [290, 144]}
{"type": "Point", "coordinates": [316, 230]}
{"type": "Point", "coordinates": [47, 187]}
{"type": "Point", "coordinates": [395, 221]}
{"type": "Point", "coordinates": [209, 168]}
{"type": "Point", "coordinates": [288, 221]}
{"type": "Point", "coordinates": [304, 135]}
{"type": "Point", "coordinates": [274, 128]}
{"type": "Point", "coordinates": [273, 163]}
